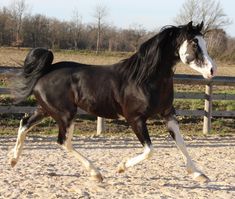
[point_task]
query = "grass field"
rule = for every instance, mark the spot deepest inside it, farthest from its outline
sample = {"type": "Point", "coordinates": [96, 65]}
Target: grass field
{"type": "Point", "coordinates": [15, 57]}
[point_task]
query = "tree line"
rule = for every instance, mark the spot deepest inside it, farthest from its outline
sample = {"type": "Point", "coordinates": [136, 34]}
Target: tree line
{"type": "Point", "coordinates": [38, 30]}
{"type": "Point", "coordinates": [19, 29]}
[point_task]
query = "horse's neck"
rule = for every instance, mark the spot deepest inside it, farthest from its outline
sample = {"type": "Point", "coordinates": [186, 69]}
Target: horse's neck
{"type": "Point", "coordinates": [164, 71]}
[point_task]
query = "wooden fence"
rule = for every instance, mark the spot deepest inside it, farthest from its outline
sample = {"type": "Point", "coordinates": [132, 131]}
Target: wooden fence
{"type": "Point", "coordinates": [208, 96]}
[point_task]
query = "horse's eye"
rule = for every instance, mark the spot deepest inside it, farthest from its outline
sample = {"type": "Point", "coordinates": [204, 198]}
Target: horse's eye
{"type": "Point", "coordinates": [195, 41]}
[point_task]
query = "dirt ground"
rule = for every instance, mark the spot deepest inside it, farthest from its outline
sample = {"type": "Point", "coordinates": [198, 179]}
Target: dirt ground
{"type": "Point", "coordinates": [45, 170]}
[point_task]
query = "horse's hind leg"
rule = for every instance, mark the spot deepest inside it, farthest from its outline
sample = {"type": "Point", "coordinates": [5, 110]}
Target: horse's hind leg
{"type": "Point", "coordinates": [95, 174]}
{"type": "Point", "coordinates": [173, 128]}
{"type": "Point", "coordinates": [26, 124]}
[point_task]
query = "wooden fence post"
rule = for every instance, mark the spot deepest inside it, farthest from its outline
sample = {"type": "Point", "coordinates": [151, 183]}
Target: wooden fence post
{"type": "Point", "coordinates": [207, 109]}
{"type": "Point", "coordinates": [100, 125]}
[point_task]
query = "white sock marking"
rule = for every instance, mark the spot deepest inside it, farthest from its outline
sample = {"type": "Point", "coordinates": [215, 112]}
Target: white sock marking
{"type": "Point", "coordinates": [173, 126]}
{"type": "Point", "coordinates": [85, 162]}
{"type": "Point", "coordinates": [148, 150]}
{"type": "Point", "coordinates": [19, 142]}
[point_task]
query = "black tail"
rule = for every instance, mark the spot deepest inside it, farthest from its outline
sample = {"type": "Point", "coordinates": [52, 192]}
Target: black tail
{"type": "Point", "coordinates": [35, 66]}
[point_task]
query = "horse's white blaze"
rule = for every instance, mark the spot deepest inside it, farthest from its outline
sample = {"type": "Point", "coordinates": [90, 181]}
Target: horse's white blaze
{"type": "Point", "coordinates": [148, 151]}
{"type": "Point", "coordinates": [183, 52]}
{"type": "Point", "coordinates": [173, 126]}
{"type": "Point", "coordinates": [207, 68]}
{"type": "Point", "coordinates": [208, 64]}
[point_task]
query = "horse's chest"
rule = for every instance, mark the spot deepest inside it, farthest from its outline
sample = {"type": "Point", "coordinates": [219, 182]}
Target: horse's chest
{"type": "Point", "coordinates": [162, 95]}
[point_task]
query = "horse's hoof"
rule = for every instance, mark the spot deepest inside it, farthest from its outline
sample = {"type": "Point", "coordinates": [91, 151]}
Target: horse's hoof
{"type": "Point", "coordinates": [202, 178]}
{"type": "Point", "coordinates": [97, 177]}
{"type": "Point", "coordinates": [13, 162]}
{"type": "Point", "coordinates": [121, 167]}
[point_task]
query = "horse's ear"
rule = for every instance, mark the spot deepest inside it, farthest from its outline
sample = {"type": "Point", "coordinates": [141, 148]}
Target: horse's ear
{"type": "Point", "coordinates": [189, 25]}
{"type": "Point", "coordinates": [200, 26]}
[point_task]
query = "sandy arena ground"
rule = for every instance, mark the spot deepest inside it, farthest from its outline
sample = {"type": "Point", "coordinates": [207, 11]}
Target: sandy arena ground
{"type": "Point", "coordinates": [45, 170]}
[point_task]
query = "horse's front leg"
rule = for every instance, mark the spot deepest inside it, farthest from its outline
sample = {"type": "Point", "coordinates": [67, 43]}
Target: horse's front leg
{"type": "Point", "coordinates": [173, 128]}
{"type": "Point", "coordinates": [140, 129]}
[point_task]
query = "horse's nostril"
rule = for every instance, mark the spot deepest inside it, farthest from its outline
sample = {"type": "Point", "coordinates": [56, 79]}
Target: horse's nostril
{"type": "Point", "coordinates": [212, 72]}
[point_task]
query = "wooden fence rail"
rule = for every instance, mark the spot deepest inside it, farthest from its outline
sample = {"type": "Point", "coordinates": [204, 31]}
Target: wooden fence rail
{"type": "Point", "coordinates": [208, 96]}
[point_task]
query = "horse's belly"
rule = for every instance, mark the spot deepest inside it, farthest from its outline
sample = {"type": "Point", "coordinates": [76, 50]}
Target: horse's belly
{"type": "Point", "coordinates": [101, 109]}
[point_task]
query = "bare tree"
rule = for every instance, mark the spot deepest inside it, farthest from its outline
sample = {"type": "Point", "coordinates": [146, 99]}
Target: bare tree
{"type": "Point", "coordinates": [18, 9]}
{"type": "Point", "coordinates": [229, 54]}
{"type": "Point", "coordinates": [217, 42]}
{"type": "Point", "coordinates": [54, 32]}
{"type": "Point", "coordinates": [5, 27]}
{"type": "Point", "coordinates": [137, 31]}
{"type": "Point", "coordinates": [39, 30]}
{"type": "Point", "coordinates": [208, 11]}
{"type": "Point", "coordinates": [76, 27]}
{"type": "Point", "coordinates": [100, 14]}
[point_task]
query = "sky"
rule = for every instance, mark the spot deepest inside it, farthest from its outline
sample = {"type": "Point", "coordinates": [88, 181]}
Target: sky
{"type": "Point", "coordinates": [150, 14]}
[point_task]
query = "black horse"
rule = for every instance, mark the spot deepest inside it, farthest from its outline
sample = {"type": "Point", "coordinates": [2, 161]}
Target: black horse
{"type": "Point", "coordinates": [136, 88]}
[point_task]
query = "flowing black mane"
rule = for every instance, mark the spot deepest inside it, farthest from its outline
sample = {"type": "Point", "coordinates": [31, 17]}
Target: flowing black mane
{"type": "Point", "coordinates": [156, 56]}
{"type": "Point", "coordinates": [148, 60]}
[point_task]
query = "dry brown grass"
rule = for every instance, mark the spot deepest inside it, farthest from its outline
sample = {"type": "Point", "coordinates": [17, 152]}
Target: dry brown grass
{"type": "Point", "coordinates": [13, 56]}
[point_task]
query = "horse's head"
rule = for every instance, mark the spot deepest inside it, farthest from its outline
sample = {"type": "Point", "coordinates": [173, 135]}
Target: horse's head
{"type": "Point", "coordinates": [193, 51]}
